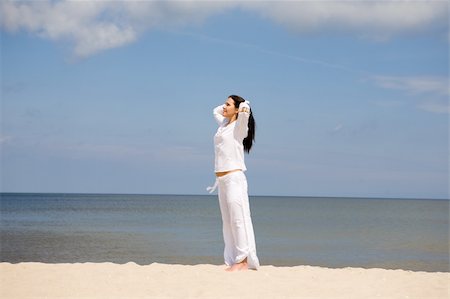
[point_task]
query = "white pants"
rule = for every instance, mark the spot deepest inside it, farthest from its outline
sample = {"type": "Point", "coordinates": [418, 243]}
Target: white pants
{"type": "Point", "coordinates": [238, 232]}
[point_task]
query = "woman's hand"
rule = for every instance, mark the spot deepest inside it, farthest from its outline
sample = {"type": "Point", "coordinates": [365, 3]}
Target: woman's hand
{"type": "Point", "coordinates": [244, 107]}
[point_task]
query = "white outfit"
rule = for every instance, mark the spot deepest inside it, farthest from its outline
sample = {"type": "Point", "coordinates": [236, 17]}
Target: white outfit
{"type": "Point", "coordinates": [228, 147]}
{"type": "Point", "coordinates": [238, 232]}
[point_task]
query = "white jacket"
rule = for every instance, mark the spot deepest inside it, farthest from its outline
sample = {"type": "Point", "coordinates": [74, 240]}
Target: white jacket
{"type": "Point", "coordinates": [228, 147]}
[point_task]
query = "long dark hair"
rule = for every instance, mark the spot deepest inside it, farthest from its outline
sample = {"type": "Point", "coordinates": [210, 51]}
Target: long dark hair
{"type": "Point", "coordinates": [248, 141]}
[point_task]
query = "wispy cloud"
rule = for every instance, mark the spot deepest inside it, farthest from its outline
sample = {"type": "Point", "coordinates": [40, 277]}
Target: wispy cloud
{"type": "Point", "coordinates": [337, 128]}
{"type": "Point", "coordinates": [266, 51]}
{"type": "Point", "coordinates": [435, 106]}
{"type": "Point", "coordinates": [94, 26]}
{"type": "Point", "coordinates": [139, 153]}
{"type": "Point", "coordinates": [415, 85]}
{"type": "Point", "coordinates": [433, 91]}
{"type": "Point", "coordinates": [436, 88]}
{"type": "Point", "coordinates": [8, 88]}
{"type": "Point", "coordinates": [5, 139]}
{"type": "Point", "coordinates": [100, 150]}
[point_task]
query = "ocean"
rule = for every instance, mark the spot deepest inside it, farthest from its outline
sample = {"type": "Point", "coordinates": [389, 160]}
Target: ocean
{"type": "Point", "coordinates": [187, 229]}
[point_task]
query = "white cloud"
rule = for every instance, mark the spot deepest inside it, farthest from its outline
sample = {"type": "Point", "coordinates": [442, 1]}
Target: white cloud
{"type": "Point", "coordinates": [93, 26]}
{"type": "Point", "coordinates": [78, 22]}
{"type": "Point", "coordinates": [374, 19]}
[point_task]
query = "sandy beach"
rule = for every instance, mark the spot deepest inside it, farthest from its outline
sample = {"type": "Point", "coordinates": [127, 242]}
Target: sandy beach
{"type": "Point", "coordinates": [108, 280]}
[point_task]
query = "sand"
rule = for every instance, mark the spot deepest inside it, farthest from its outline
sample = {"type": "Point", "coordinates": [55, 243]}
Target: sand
{"type": "Point", "coordinates": [108, 280]}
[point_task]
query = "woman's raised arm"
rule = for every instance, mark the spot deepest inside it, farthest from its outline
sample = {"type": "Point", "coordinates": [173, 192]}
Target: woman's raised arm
{"type": "Point", "coordinates": [241, 127]}
{"type": "Point", "coordinates": [218, 114]}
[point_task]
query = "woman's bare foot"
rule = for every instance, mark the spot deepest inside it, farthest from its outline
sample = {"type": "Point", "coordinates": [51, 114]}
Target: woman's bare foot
{"type": "Point", "coordinates": [238, 267]}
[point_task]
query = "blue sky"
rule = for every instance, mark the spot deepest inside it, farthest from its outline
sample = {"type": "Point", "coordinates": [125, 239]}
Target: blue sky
{"type": "Point", "coordinates": [350, 98]}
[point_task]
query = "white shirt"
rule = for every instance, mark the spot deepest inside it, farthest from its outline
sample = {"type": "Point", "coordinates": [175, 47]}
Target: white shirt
{"type": "Point", "coordinates": [228, 147]}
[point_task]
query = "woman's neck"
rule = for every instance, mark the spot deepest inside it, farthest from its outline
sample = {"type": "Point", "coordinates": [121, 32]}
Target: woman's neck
{"type": "Point", "coordinates": [232, 119]}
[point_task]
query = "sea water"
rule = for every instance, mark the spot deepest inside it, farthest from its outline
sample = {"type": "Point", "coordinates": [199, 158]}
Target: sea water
{"type": "Point", "coordinates": [187, 229]}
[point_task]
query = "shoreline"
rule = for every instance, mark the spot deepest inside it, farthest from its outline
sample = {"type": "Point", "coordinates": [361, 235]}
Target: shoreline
{"type": "Point", "coordinates": [130, 280]}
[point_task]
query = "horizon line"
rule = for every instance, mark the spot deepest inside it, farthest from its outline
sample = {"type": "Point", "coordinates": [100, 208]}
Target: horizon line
{"type": "Point", "coordinates": [250, 195]}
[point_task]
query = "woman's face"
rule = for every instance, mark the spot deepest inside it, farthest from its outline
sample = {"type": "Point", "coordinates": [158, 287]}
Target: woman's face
{"type": "Point", "coordinates": [229, 110]}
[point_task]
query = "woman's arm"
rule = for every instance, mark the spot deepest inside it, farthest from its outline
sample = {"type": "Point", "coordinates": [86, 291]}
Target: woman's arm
{"type": "Point", "coordinates": [241, 128]}
{"type": "Point", "coordinates": [218, 114]}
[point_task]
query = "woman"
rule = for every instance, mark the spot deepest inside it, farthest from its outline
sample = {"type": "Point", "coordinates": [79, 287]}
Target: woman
{"type": "Point", "coordinates": [235, 135]}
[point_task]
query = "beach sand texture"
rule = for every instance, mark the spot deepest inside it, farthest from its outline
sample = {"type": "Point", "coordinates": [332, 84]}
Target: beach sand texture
{"type": "Point", "coordinates": [108, 280]}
